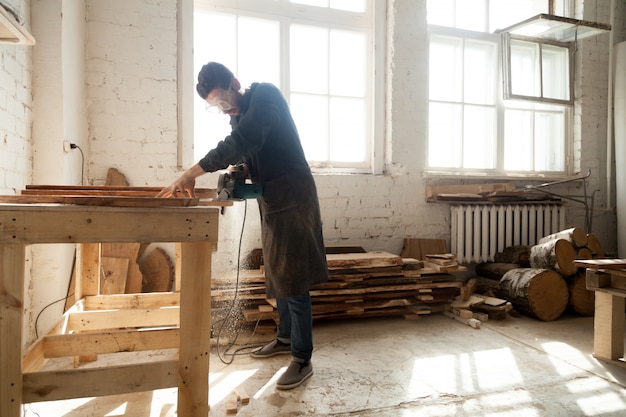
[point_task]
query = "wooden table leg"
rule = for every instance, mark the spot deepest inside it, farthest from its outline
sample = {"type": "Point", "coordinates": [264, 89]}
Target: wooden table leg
{"type": "Point", "coordinates": [195, 329]}
{"type": "Point", "coordinates": [12, 258]}
{"type": "Point", "coordinates": [608, 326]}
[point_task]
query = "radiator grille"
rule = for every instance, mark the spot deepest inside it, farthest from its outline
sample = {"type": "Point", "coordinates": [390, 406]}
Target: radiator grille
{"type": "Point", "coordinates": [480, 231]}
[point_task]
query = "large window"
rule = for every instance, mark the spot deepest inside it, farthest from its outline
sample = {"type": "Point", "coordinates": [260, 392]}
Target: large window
{"type": "Point", "coordinates": [320, 53]}
{"type": "Point", "coordinates": [472, 128]}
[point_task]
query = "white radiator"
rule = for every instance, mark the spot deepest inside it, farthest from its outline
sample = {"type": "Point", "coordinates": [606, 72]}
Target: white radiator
{"type": "Point", "coordinates": [480, 231]}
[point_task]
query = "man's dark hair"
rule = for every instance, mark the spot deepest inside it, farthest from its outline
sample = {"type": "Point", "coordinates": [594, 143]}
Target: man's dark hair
{"type": "Point", "coordinates": [213, 75]}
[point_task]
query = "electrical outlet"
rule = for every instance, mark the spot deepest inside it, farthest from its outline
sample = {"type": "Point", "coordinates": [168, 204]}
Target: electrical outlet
{"type": "Point", "coordinates": [67, 146]}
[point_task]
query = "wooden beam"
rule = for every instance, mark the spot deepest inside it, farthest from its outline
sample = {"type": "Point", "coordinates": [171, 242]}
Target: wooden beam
{"type": "Point", "coordinates": [12, 258]}
{"type": "Point", "coordinates": [79, 344]}
{"type": "Point", "coordinates": [100, 201]}
{"type": "Point", "coordinates": [119, 319]}
{"type": "Point", "coordinates": [74, 224]}
{"type": "Point", "coordinates": [87, 270]}
{"type": "Point", "coordinates": [128, 301]}
{"type": "Point", "coordinates": [608, 326]}
{"type": "Point", "coordinates": [96, 382]}
{"type": "Point", "coordinates": [195, 329]}
{"type": "Point", "coordinates": [111, 189]}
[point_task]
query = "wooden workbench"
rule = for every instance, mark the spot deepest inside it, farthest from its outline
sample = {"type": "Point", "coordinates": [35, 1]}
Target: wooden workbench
{"type": "Point", "coordinates": [166, 320]}
{"type": "Point", "coordinates": [607, 278]}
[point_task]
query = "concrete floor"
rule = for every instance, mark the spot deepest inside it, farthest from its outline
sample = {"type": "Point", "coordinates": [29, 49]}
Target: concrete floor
{"type": "Point", "coordinates": [433, 366]}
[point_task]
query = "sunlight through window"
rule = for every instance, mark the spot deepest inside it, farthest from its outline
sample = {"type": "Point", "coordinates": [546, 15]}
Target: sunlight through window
{"type": "Point", "coordinates": [322, 61]}
{"type": "Point", "coordinates": [472, 127]}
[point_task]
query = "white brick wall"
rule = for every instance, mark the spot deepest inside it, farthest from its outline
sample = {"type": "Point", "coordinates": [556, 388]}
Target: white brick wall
{"type": "Point", "coordinates": [15, 113]}
{"type": "Point", "coordinates": [131, 89]}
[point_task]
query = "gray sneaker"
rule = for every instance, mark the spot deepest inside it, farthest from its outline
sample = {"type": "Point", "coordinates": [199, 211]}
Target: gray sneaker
{"type": "Point", "coordinates": [273, 348]}
{"type": "Point", "coordinates": [295, 375]}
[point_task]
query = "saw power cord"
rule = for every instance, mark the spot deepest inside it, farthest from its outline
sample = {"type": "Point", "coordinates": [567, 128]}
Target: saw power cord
{"type": "Point", "coordinates": [246, 349]}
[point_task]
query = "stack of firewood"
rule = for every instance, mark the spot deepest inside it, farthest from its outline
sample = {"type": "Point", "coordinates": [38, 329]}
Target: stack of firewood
{"type": "Point", "coordinates": [543, 281]}
{"type": "Point", "coordinates": [363, 284]}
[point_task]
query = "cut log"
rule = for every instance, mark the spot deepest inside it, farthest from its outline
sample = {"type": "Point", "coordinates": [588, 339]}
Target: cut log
{"type": "Point", "coordinates": [575, 236]}
{"type": "Point", "coordinates": [158, 272]}
{"type": "Point", "coordinates": [539, 293]}
{"type": "Point", "coordinates": [487, 285]}
{"type": "Point", "coordinates": [584, 253]}
{"type": "Point", "coordinates": [518, 254]}
{"type": "Point", "coordinates": [581, 300]}
{"type": "Point", "coordinates": [495, 270]}
{"type": "Point", "coordinates": [593, 243]}
{"type": "Point", "coordinates": [558, 255]}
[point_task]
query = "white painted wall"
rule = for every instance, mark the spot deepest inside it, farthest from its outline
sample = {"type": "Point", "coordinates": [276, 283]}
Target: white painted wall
{"type": "Point", "coordinates": [16, 114]}
{"type": "Point", "coordinates": [60, 115]}
{"type": "Point", "coordinates": [104, 76]}
{"type": "Point", "coordinates": [16, 119]}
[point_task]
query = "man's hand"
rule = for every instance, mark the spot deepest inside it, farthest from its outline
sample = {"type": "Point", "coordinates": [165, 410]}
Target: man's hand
{"type": "Point", "coordinates": [182, 187]}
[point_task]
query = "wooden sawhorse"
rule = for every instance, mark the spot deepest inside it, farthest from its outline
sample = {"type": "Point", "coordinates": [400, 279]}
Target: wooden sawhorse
{"type": "Point", "coordinates": [167, 320]}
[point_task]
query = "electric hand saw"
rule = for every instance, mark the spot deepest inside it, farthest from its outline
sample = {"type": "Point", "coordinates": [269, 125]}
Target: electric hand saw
{"type": "Point", "coordinates": [233, 186]}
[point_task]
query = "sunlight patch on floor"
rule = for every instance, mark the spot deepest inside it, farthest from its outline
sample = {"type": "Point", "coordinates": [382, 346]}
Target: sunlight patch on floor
{"type": "Point", "coordinates": [119, 411]}
{"type": "Point", "coordinates": [496, 369]}
{"type": "Point", "coordinates": [221, 387]}
{"type": "Point", "coordinates": [557, 351]}
{"type": "Point", "coordinates": [597, 405]}
{"type": "Point", "coordinates": [438, 371]}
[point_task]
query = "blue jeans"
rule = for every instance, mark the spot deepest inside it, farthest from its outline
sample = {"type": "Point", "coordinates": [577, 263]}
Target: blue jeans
{"type": "Point", "coordinates": [296, 325]}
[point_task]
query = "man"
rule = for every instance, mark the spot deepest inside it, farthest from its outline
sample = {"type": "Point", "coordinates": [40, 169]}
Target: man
{"type": "Point", "coordinates": [264, 137]}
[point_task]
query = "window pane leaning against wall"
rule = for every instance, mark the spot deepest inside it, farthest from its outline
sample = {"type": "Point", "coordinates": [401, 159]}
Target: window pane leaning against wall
{"type": "Point", "coordinates": [320, 53]}
{"type": "Point", "coordinates": [471, 127]}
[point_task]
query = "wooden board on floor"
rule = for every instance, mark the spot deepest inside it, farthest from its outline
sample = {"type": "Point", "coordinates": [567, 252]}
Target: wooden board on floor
{"type": "Point", "coordinates": [418, 248]}
{"type": "Point", "coordinates": [362, 260]}
{"type": "Point", "coordinates": [601, 263]}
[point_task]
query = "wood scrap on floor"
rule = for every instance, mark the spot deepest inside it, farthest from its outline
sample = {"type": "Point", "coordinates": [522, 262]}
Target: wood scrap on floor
{"type": "Point", "coordinates": [470, 321]}
{"type": "Point", "coordinates": [236, 399]}
{"type": "Point", "coordinates": [418, 248]}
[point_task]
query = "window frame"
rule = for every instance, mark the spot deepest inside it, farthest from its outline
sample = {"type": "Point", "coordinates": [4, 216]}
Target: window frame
{"type": "Point", "coordinates": [508, 83]}
{"type": "Point", "coordinates": [499, 171]}
{"type": "Point", "coordinates": [298, 13]}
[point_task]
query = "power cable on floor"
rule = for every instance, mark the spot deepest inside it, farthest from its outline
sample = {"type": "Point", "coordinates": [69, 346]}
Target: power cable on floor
{"type": "Point", "coordinates": [60, 299]}
{"type": "Point", "coordinates": [241, 350]}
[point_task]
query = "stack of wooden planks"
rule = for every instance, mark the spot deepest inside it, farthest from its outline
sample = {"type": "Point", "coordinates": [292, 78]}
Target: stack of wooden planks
{"type": "Point", "coordinates": [485, 193]}
{"type": "Point", "coordinates": [363, 284]}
